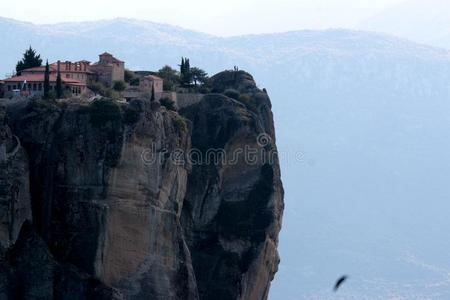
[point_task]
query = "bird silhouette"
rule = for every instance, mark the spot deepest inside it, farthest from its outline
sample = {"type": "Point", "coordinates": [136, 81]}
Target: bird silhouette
{"type": "Point", "coordinates": [339, 282]}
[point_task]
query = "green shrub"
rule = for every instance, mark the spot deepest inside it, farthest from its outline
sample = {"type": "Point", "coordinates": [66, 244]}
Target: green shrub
{"type": "Point", "coordinates": [168, 85]}
{"type": "Point", "coordinates": [131, 115]}
{"type": "Point", "coordinates": [100, 89]}
{"type": "Point", "coordinates": [232, 93]}
{"type": "Point", "coordinates": [131, 78]}
{"type": "Point", "coordinates": [204, 89]}
{"type": "Point", "coordinates": [119, 85]}
{"type": "Point", "coordinates": [113, 94]}
{"type": "Point", "coordinates": [39, 104]}
{"type": "Point", "coordinates": [248, 101]}
{"type": "Point", "coordinates": [67, 94]}
{"type": "Point", "coordinates": [104, 112]}
{"type": "Point", "coordinates": [170, 77]}
{"type": "Point", "coordinates": [134, 82]}
{"type": "Point", "coordinates": [96, 87]}
{"type": "Point", "coordinates": [86, 94]}
{"type": "Point", "coordinates": [168, 103]}
{"type": "Point", "coordinates": [180, 123]}
{"type": "Point", "coordinates": [52, 95]}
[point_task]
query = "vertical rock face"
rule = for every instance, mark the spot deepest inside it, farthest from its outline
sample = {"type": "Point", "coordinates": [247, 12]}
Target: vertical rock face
{"type": "Point", "coordinates": [123, 209]}
{"type": "Point", "coordinates": [145, 254]}
{"type": "Point", "coordinates": [30, 271]}
{"type": "Point", "coordinates": [15, 204]}
{"type": "Point", "coordinates": [233, 207]}
{"type": "Point", "coordinates": [109, 196]}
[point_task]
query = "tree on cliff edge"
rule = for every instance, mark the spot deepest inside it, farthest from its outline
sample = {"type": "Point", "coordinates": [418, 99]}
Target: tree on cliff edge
{"type": "Point", "coordinates": [153, 93]}
{"type": "Point", "coordinates": [30, 60]}
{"type": "Point", "coordinates": [170, 76]}
{"type": "Point", "coordinates": [198, 76]}
{"type": "Point", "coordinates": [47, 81]}
{"type": "Point", "coordinates": [59, 89]}
{"type": "Point", "coordinates": [185, 72]}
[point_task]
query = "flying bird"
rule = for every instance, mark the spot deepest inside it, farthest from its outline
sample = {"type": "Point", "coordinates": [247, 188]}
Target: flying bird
{"type": "Point", "coordinates": [339, 282]}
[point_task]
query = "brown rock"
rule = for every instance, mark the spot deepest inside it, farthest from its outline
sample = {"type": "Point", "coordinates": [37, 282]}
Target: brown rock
{"type": "Point", "coordinates": [120, 212]}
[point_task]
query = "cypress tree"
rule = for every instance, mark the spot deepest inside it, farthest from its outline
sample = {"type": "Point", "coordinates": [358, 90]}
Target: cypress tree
{"type": "Point", "coordinates": [188, 66]}
{"type": "Point", "coordinates": [185, 73]}
{"type": "Point", "coordinates": [47, 81]}
{"type": "Point", "coordinates": [153, 93]}
{"type": "Point", "coordinates": [182, 67]}
{"type": "Point", "coordinates": [58, 84]}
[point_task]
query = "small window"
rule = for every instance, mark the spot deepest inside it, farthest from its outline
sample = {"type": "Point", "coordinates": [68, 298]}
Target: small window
{"type": "Point", "coordinates": [67, 75]}
{"type": "Point", "coordinates": [34, 86]}
{"type": "Point", "coordinates": [40, 87]}
{"type": "Point", "coordinates": [9, 88]}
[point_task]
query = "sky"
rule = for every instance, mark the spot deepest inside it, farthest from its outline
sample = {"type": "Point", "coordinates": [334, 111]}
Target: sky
{"type": "Point", "coordinates": [218, 17]}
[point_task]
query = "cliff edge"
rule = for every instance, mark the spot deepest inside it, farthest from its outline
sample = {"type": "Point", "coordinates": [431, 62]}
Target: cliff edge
{"type": "Point", "coordinates": [108, 200]}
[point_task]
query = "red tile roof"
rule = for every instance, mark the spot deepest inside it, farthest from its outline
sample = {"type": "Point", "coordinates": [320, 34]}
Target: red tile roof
{"type": "Point", "coordinates": [112, 56]}
{"type": "Point", "coordinates": [40, 78]}
{"type": "Point", "coordinates": [30, 78]}
{"type": "Point", "coordinates": [37, 69]}
{"type": "Point", "coordinates": [152, 78]}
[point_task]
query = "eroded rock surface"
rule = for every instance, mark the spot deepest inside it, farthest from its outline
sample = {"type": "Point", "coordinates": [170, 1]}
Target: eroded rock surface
{"type": "Point", "coordinates": [15, 203]}
{"type": "Point", "coordinates": [233, 208]}
{"type": "Point", "coordinates": [120, 209]}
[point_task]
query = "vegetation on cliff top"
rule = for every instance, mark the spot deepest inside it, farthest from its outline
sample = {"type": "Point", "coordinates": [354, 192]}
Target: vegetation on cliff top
{"type": "Point", "coordinates": [30, 60]}
{"type": "Point", "coordinates": [105, 112]}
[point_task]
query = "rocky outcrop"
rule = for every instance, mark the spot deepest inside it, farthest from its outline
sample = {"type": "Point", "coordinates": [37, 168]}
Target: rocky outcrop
{"type": "Point", "coordinates": [99, 205]}
{"type": "Point", "coordinates": [234, 203]}
{"type": "Point", "coordinates": [28, 270]}
{"type": "Point", "coordinates": [121, 209]}
{"type": "Point", "coordinates": [15, 204]}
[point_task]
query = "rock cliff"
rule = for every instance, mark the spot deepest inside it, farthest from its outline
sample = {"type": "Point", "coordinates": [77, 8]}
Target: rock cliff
{"type": "Point", "coordinates": [133, 201]}
{"type": "Point", "coordinates": [15, 207]}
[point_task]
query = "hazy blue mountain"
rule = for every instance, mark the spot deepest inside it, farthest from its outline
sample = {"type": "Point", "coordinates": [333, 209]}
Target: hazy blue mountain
{"type": "Point", "coordinates": [363, 124]}
{"type": "Point", "coordinates": [425, 21]}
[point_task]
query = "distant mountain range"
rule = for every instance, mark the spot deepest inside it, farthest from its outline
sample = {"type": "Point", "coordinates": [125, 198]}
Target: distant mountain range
{"type": "Point", "coordinates": [424, 21]}
{"type": "Point", "coordinates": [362, 122]}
